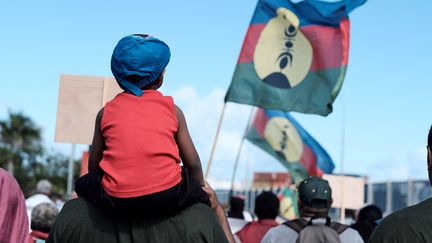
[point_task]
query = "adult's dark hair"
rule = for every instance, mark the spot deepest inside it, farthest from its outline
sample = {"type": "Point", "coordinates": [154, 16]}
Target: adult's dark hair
{"type": "Point", "coordinates": [365, 223]}
{"type": "Point", "coordinates": [267, 205]}
{"type": "Point", "coordinates": [236, 207]}
{"type": "Point", "coordinates": [43, 217]}
{"type": "Point", "coordinates": [369, 214]}
{"type": "Point", "coordinates": [430, 137]}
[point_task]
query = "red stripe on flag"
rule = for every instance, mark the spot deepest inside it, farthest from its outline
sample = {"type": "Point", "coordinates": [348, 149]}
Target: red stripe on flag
{"type": "Point", "coordinates": [319, 172]}
{"type": "Point", "coordinates": [345, 29]}
{"type": "Point", "coordinates": [251, 39]}
{"type": "Point", "coordinates": [308, 159]}
{"type": "Point", "coordinates": [328, 46]}
{"type": "Point", "coordinates": [260, 121]}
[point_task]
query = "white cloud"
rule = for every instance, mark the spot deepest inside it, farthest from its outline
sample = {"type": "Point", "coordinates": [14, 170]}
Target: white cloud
{"type": "Point", "coordinates": [398, 167]}
{"type": "Point", "coordinates": [202, 114]}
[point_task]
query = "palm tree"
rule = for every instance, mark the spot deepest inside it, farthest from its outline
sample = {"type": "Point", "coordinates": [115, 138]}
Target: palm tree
{"type": "Point", "coordinates": [20, 141]}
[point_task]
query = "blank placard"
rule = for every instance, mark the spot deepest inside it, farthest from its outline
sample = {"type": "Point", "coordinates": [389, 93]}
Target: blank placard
{"type": "Point", "coordinates": [80, 98]}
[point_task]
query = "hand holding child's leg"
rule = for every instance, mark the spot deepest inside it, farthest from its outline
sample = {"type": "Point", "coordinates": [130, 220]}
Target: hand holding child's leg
{"type": "Point", "coordinates": [219, 211]}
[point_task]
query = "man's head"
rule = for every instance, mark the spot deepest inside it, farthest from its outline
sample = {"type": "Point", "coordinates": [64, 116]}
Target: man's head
{"type": "Point", "coordinates": [43, 217]}
{"type": "Point", "coordinates": [429, 155]}
{"type": "Point", "coordinates": [369, 214]}
{"type": "Point", "coordinates": [44, 187]}
{"type": "Point", "coordinates": [138, 61]}
{"type": "Point", "coordinates": [236, 207]}
{"type": "Point", "coordinates": [267, 205]}
{"type": "Point", "coordinates": [315, 195]}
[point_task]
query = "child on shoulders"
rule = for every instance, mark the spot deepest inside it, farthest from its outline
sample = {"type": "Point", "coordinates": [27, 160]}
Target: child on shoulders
{"type": "Point", "coordinates": [140, 139]}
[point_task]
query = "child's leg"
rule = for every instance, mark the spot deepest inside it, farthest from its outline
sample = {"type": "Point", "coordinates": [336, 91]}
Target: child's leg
{"type": "Point", "coordinates": [163, 203]}
{"type": "Point", "coordinates": [192, 191]}
{"type": "Point", "coordinates": [154, 205]}
{"type": "Point", "coordinates": [90, 187]}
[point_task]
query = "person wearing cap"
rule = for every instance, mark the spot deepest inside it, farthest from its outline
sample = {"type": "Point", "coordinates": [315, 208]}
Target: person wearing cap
{"type": "Point", "coordinates": [140, 140]}
{"type": "Point", "coordinates": [411, 224]}
{"type": "Point", "coordinates": [315, 200]}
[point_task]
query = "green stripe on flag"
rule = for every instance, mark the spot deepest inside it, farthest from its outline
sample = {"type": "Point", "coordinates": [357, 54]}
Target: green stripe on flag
{"type": "Point", "coordinates": [297, 170]}
{"type": "Point", "coordinates": [315, 94]}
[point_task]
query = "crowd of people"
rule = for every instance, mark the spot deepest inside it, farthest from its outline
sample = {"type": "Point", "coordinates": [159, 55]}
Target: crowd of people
{"type": "Point", "coordinates": [37, 219]}
{"type": "Point", "coordinates": [137, 191]}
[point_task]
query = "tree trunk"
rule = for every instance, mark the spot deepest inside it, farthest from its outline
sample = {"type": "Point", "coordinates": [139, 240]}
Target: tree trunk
{"type": "Point", "coordinates": [10, 167]}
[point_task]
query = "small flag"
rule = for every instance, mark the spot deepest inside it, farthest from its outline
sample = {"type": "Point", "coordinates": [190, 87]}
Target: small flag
{"type": "Point", "coordinates": [278, 134]}
{"type": "Point", "coordinates": [294, 56]}
{"type": "Point", "coordinates": [288, 207]}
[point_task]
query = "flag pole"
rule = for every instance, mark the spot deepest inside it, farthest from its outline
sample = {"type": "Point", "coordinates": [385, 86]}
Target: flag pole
{"type": "Point", "coordinates": [70, 172]}
{"type": "Point", "coordinates": [214, 142]}
{"type": "Point", "coordinates": [239, 152]}
{"type": "Point", "coordinates": [342, 214]}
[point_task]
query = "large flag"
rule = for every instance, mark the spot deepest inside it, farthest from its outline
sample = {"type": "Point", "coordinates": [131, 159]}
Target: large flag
{"type": "Point", "coordinates": [277, 133]}
{"type": "Point", "coordinates": [294, 56]}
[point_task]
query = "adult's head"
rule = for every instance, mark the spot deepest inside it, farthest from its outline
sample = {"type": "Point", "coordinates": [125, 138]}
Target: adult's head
{"type": "Point", "coordinates": [236, 207]}
{"type": "Point", "coordinates": [13, 215]}
{"type": "Point", "coordinates": [315, 196]}
{"type": "Point", "coordinates": [365, 223]}
{"type": "Point", "coordinates": [44, 187]}
{"type": "Point", "coordinates": [43, 217]}
{"type": "Point", "coordinates": [429, 155]}
{"type": "Point", "coordinates": [369, 214]}
{"type": "Point", "coordinates": [138, 62]}
{"type": "Point", "coordinates": [267, 205]}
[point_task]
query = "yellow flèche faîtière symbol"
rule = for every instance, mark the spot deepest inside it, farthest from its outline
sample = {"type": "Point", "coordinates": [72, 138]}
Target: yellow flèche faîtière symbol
{"type": "Point", "coordinates": [283, 137]}
{"type": "Point", "coordinates": [283, 55]}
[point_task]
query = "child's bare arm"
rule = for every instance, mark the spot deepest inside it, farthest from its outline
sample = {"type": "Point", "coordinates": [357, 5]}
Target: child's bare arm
{"type": "Point", "coordinates": [188, 153]}
{"type": "Point", "coordinates": [98, 145]}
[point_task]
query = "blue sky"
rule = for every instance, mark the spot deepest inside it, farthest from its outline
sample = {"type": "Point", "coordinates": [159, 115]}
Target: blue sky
{"type": "Point", "coordinates": [383, 100]}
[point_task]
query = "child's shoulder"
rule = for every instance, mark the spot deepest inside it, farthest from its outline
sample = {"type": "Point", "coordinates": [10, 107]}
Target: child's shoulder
{"type": "Point", "coordinates": [178, 110]}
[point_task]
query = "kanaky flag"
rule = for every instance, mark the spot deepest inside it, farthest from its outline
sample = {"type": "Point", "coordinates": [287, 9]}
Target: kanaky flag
{"type": "Point", "coordinates": [294, 56]}
{"type": "Point", "coordinates": [277, 133]}
{"type": "Point", "coordinates": [288, 207]}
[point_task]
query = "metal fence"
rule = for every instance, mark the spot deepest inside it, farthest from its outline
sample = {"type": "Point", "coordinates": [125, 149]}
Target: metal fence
{"type": "Point", "coordinates": [389, 195]}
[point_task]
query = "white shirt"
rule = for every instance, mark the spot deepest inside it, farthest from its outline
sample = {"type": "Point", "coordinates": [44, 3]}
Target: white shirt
{"type": "Point", "coordinates": [236, 224]}
{"type": "Point", "coordinates": [35, 200]}
{"type": "Point", "coordinates": [283, 233]}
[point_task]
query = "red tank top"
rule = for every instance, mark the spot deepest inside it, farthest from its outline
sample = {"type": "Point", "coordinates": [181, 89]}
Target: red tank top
{"type": "Point", "coordinates": [141, 155]}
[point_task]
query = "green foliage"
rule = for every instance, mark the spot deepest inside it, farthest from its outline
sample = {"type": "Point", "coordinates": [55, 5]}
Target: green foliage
{"type": "Point", "coordinates": [21, 147]}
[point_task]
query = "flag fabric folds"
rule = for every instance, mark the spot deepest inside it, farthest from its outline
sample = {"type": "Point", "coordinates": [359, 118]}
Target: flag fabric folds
{"type": "Point", "coordinates": [277, 133]}
{"type": "Point", "coordinates": [294, 56]}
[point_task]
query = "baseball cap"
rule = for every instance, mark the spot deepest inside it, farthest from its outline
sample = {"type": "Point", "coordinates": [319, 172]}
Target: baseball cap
{"type": "Point", "coordinates": [140, 55]}
{"type": "Point", "coordinates": [315, 192]}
